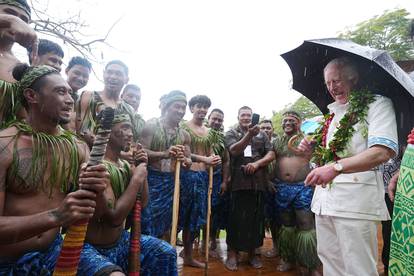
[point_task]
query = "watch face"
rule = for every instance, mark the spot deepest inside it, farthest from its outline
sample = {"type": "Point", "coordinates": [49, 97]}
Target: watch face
{"type": "Point", "coordinates": [338, 167]}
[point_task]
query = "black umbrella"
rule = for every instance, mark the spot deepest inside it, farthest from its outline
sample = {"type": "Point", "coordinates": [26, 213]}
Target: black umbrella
{"type": "Point", "coordinates": [378, 73]}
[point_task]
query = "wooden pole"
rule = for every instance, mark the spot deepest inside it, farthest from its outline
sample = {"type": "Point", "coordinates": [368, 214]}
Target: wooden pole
{"type": "Point", "coordinates": [210, 190]}
{"type": "Point", "coordinates": [176, 204]}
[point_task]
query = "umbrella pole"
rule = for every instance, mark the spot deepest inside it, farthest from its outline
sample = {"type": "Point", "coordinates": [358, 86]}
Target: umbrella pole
{"type": "Point", "coordinates": [207, 234]}
{"type": "Point", "coordinates": [176, 204]}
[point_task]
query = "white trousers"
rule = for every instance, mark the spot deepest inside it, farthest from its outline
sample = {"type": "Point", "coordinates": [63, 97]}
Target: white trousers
{"type": "Point", "coordinates": [347, 246]}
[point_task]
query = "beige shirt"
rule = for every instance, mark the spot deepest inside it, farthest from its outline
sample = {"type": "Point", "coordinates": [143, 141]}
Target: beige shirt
{"type": "Point", "coordinates": [359, 195]}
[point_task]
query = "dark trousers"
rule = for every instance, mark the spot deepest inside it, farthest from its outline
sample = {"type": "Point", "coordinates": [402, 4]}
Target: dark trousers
{"type": "Point", "coordinates": [386, 234]}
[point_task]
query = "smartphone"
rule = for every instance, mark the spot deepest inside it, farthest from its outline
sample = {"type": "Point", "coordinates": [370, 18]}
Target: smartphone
{"type": "Point", "coordinates": [255, 119]}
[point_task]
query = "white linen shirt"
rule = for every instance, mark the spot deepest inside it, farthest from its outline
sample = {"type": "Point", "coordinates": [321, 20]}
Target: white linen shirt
{"type": "Point", "coordinates": [359, 195]}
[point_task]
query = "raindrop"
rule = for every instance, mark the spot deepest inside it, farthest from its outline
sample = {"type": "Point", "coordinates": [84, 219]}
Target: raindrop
{"type": "Point", "coordinates": [304, 72]}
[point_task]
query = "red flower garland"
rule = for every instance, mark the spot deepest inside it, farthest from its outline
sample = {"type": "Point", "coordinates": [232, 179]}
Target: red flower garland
{"type": "Point", "coordinates": [325, 133]}
{"type": "Point", "coordinates": [325, 129]}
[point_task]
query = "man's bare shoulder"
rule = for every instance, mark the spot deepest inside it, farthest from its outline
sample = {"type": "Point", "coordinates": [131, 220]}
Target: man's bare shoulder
{"type": "Point", "coordinates": [150, 126]}
{"type": "Point", "coordinates": [185, 136]}
{"type": "Point", "coordinates": [6, 145]}
{"type": "Point", "coordinates": [8, 132]}
{"type": "Point", "coordinates": [151, 122]}
{"type": "Point", "coordinates": [82, 146]}
{"type": "Point", "coordinates": [85, 96]}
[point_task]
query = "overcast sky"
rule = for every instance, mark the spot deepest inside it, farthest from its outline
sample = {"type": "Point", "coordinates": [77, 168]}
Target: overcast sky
{"type": "Point", "coordinates": [226, 49]}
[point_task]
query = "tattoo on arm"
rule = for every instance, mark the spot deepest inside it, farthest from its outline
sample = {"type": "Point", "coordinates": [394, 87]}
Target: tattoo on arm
{"type": "Point", "coordinates": [55, 215]}
{"type": "Point", "coordinates": [2, 182]}
{"type": "Point", "coordinates": [5, 157]}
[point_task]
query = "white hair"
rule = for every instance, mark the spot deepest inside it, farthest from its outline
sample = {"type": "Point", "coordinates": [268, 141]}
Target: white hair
{"type": "Point", "coordinates": [347, 66]}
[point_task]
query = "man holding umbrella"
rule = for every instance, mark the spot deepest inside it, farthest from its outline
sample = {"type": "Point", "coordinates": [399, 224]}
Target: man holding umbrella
{"type": "Point", "coordinates": [359, 134]}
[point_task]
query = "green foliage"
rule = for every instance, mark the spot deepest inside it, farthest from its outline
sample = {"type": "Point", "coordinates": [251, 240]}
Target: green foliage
{"type": "Point", "coordinates": [302, 105]}
{"type": "Point", "coordinates": [389, 31]}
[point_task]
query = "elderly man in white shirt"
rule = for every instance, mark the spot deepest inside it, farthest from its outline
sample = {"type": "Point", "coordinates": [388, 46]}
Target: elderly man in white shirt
{"type": "Point", "coordinates": [349, 195]}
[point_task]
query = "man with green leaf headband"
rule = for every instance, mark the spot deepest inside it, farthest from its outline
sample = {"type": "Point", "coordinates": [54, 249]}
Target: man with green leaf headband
{"type": "Point", "coordinates": [290, 205]}
{"type": "Point", "coordinates": [166, 143]}
{"type": "Point", "coordinates": [106, 235]}
{"type": "Point", "coordinates": [40, 164]}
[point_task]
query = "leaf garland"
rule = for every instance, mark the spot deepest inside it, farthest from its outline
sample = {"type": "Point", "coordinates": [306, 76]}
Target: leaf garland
{"type": "Point", "coordinates": [161, 141]}
{"type": "Point", "coordinates": [207, 143]}
{"type": "Point", "coordinates": [357, 111]}
{"type": "Point", "coordinates": [218, 142]}
{"type": "Point", "coordinates": [9, 103]}
{"type": "Point", "coordinates": [58, 153]}
{"type": "Point", "coordinates": [119, 176]}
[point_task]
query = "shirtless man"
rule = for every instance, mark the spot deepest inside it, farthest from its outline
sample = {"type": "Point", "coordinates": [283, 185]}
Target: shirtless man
{"type": "Point", "coordinates": [165, 142]}
{"type": "Point", "coordinates": [132, 96]}
{"type": "Point", "coordinates": [193, 202]}
{"type": "Point", "coordinates": [14, 27]}
{"type": "Point", "coordinates": [77, 73]}
{"type": "Point", "coordinates": [271, 221]}
{"type": "Point", "coordinates": [106, 233]}
{"type": "Point", "coordinates": [39, 166]}
{"type": "Point", "coordinates": [219, 196]}
{"type": "Point", "coordinates": [14, 19]}
{"type": "Point", "coordinates": [292, 203]}
{"type": "Point", "coordinates": [48, 53]}
{"type": "Point", "coordinates": [92, 102]}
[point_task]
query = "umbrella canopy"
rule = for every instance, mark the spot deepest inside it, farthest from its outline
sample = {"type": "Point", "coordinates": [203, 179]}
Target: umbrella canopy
{"type": "Point", "coordinates": [377, 72]}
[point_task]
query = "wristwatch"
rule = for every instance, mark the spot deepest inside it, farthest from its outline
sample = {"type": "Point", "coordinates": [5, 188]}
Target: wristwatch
{"type": "Point", "coordinates": [338, 167]}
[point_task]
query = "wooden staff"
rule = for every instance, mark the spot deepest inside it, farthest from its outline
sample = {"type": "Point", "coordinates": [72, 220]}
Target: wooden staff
{"type": "Point", "coordinates": [68, 261]}
{"type": "Point", "coordinates": [134, 258]}
{"type": "Point", "coordinates": [176, 203]}
{"type": "Point", "coordinates": [210, 190]}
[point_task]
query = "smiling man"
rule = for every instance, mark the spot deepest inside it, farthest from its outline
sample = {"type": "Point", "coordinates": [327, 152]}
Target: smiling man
{"type": "Point", "coordinates": [166, 143]}
{"type": "Point", "coordinates": [359, 134]}
{"type": "Point", "coordinates": [91, 103]}
{"type": "Point", "coordinates": [219, 196]}
{"type": "Point", "coordinates": [297, 238]}
{"type": "Point", "coordinates": [40, 164]}
{"type": "Point", "coordinates": [250, 151]}
{"type": "Point", "coordinates": [48, 53]}
{"type": "Point", "coordinates": [77, 72]}
{"type": "Point", "coordinates": [193, 208]}
{"type": "Point", "coordinates": [132, 96]}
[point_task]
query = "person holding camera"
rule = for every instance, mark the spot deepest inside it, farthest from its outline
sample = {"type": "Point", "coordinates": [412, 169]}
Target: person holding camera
{"type": "Point", "coordinates": [251, 152]}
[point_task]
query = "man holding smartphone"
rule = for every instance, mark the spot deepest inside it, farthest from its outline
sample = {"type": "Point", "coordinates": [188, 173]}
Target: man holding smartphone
{"type": "Point", "coordinates": [250, 152]}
